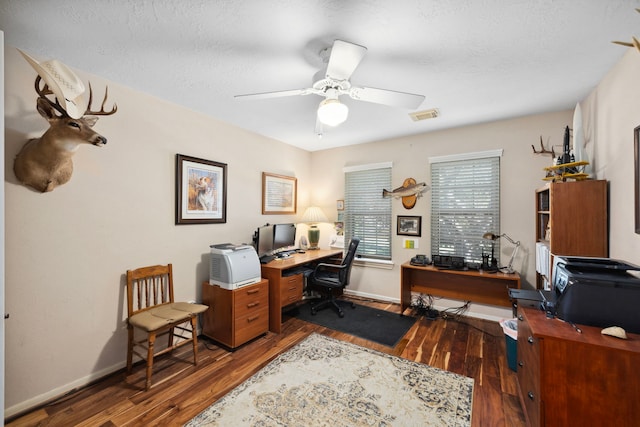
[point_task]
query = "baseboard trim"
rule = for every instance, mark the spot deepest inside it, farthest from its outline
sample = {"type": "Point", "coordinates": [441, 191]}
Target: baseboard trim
{"type": "Point", "coordinates": [56, 393]}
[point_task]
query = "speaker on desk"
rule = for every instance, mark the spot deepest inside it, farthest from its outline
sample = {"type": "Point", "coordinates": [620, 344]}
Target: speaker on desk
{"type": "Point", "coordinates": [303, 244]}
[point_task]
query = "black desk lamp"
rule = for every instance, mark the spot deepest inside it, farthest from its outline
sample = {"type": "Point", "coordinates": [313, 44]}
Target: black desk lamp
{"type": "Point", "coordinates": [494, 263]}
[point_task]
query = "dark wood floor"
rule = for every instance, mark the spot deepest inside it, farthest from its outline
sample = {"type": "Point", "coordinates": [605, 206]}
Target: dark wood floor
{"type": "Point", "coordinates": [471, 347]}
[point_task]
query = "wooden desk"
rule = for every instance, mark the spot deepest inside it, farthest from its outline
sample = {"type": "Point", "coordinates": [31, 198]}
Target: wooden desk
{"type": "Point", "coordinates": [567, 378]}
{"type": "Point", "coordinates": [475, 286]}
{"type": "Point", "coordinates": [286, 288]}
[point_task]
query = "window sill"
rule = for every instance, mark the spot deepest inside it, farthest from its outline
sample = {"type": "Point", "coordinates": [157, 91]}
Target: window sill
{"type": "Point", "coordinates": [375, 263]}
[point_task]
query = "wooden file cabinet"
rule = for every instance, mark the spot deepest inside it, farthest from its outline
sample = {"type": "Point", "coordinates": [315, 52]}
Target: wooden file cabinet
{"type": "Point", "coordinates": [236, 316]}
{"type": "Point", "coordinates": [567, 378]}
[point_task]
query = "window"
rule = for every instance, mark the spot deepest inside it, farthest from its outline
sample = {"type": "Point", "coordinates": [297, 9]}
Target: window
{"type": "Point", "coordinates": [367, 214]}
{"type": "Point", "coordinates": [465, 204]}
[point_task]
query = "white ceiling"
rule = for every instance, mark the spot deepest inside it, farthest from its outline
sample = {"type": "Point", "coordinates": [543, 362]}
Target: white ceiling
{"type": "Point", "coordinates": [474, 60]}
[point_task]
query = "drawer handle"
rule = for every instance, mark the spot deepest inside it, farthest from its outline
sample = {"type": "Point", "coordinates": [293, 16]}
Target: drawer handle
{"type": "Point", "coordinates": [293, 288]}
{"type": "Point", "coordinates": [520, 317]}
{"type": "Point", "coordinates": [253, 291]}
{"type": "Point", "coordinates": [253, 304]}
{"type": "Point", "coordinates": [251, 319]}
{"type": "Point", "coordinates": [530, 395]}
{"type": "Point", "coordinates": [521, 363]}
{"type": "Point", "coordinates": [530, 340]}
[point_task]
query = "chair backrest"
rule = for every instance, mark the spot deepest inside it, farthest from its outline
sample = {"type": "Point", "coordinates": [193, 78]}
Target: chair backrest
{"type": "Point", "coordinates": [345, 273]}
{"type": "Point", "coordinates": [148, 287]}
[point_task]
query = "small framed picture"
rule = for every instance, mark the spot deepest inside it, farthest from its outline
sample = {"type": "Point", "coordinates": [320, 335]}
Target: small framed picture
{"type": "Point", "coordinates": [340, 205]}
{"type": "Point", "coordinates": [409, 226]}
{"type": "Point", "coordinates": [279, 194]}
{"type": "Point", "coordinates": [201, 191]}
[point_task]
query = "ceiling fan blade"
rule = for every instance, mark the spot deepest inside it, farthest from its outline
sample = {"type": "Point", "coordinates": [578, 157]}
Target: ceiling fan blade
{"type": "Point", "coordinates": [345, 58]}
{"type": "Point", "coordinates": [387, 97]}
{"type": "Point", "coordinates": [276, 94]}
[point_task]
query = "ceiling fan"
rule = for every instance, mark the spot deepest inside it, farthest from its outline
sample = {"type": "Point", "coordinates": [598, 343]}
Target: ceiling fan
{"type": "Point", "coordinates": [333, 80]}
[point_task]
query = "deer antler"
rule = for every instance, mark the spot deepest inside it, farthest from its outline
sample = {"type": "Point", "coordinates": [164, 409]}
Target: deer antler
{"type": "Point", "coordinates": [543, 150]}
{"type": "Point", "coordinates": [46, 91]}
{"type": "Point", "coordinates": [101, 112]}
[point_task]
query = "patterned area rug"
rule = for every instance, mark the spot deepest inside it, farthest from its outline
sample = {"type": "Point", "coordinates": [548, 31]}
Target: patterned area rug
{"type": "Point", "coordinates": [326, 382]}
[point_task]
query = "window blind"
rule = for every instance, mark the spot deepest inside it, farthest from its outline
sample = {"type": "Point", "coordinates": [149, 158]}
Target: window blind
{"type": "Point", "coordinates": [465, 204]}
{"type": "Point", "coordinates": [367, 214]}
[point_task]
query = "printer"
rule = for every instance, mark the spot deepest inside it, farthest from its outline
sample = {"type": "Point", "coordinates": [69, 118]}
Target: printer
{"type": "Point", "coordinates": [234, 266]}
{"type": "Point", "coordinates": [596, 292]}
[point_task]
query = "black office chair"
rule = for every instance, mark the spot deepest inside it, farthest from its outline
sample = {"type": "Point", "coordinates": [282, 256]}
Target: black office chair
{"type": "Point", "coordinates": [330, 280]}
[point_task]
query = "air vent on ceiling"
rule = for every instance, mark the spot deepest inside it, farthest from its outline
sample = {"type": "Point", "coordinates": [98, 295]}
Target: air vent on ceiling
{"type": "Point", "coordinates": [424, 115]}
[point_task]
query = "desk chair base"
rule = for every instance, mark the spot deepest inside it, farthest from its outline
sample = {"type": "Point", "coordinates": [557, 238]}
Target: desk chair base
{"type": "Point", "coordinates": [330, 302]}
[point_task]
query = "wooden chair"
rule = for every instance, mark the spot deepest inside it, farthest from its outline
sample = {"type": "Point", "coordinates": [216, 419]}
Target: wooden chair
{"type": "Point", "coordinates": [151, 308]}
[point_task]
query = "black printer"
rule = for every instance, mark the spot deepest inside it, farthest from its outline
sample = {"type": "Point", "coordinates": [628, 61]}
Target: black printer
{"type": "Point", "coordinates": [596, 292]}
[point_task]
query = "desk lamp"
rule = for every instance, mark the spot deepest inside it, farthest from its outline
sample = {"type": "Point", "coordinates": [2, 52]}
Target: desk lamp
{"type": "Point", "coordinates": [314, 215]}
{"type": "Point", "coordinates": [493, 237]}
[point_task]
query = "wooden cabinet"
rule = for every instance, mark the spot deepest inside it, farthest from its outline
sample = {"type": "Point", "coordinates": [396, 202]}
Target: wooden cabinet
{"type": "Point", "coordinates": [235, 316]}
{"type": "Point", "coordinates": [571, 378]}
{"type": "Point", "coordinates": [571, 220]}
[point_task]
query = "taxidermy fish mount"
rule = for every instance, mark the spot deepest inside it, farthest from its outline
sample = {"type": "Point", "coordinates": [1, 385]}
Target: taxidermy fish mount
{"type": "Point", "coordinates": [409, 192]}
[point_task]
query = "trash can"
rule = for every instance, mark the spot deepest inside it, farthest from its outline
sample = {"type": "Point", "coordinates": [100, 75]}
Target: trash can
{"type": "Point", "coordinates": [510, 328]}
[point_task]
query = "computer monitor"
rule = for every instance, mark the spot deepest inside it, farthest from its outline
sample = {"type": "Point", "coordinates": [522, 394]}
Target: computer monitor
{"type": "Point", "coordinates": [264, 242]}
{"type": "Point", "coordinates": [284, 236]}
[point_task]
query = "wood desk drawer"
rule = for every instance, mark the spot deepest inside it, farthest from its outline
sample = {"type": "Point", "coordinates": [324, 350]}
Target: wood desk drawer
{"type": "Point", "coordinates": [291, 289]}
{"type": "Point", "coordinates": [251, 298]}
{"type": "Point", "coordinates": [251, 325]}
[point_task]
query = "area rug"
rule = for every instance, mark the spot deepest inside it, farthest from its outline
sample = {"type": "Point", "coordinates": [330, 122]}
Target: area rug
{"type": "Point", "coordinates": [375, 325]}
{"type": "Point", "coordinates": [326, 382]}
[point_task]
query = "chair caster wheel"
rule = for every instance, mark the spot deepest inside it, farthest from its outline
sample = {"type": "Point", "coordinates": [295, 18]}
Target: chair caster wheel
{"type": "Point", "coordinates": [313, 312]}
{"type": "Point", "coordinates": [341, 314]}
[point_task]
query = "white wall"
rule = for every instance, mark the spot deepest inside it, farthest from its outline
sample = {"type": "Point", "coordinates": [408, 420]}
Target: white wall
{"type": "Point", "coordinates": [611, 113]}
{"type": "Point", "coordinates": [521, 173]}
{"type": "Point", "coordinates": [68, 250]}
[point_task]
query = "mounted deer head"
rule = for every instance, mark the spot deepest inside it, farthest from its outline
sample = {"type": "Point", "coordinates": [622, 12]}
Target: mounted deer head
{"type": "Point", "coordinates": [45, 163]}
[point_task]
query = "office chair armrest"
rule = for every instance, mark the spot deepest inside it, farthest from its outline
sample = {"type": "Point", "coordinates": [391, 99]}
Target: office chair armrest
{"type": "Point", "coordinates": [323, 266]}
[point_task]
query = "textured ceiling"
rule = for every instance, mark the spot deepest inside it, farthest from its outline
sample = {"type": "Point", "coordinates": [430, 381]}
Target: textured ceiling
{"type": "Point", "coordinates": [474, 60]}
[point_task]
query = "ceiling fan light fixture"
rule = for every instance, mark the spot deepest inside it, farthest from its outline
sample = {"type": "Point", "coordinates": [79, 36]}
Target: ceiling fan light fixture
{"type": "Point", "coordinates": [332, 112]}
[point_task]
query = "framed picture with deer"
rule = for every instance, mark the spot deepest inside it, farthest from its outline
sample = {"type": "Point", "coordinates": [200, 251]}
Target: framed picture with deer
{"type": "Point", "coordinates": [201, 191]}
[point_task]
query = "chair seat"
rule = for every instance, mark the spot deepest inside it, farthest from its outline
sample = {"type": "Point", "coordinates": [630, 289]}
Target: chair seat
{"type": "Point", "coordinates": [327, 282]}
{"type": "Point", "coordinates": [160, 316]}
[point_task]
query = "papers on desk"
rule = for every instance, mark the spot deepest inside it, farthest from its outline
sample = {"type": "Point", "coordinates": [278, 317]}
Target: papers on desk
{"type": "Point", "coordinates": [543, 258]}
{"type": "Point", "coordinates": [337, 242]}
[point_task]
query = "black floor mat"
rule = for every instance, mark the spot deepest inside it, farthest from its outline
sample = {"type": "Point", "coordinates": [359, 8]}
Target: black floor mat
{"type": "Point", "coordinates": [380, 326]}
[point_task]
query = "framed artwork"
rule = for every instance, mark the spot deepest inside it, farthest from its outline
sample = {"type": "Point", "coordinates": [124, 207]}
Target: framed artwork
{"type": "Point", "coordinates": [279, 194]}
{"type": "Point", "coordinates": [409, 226]}
{"type": "Point", "coordinates": [201, 191]}
{"type": "Point", "coordinates": [340, 205]}
{"type": "Point", "coordinates": [636, 159]}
